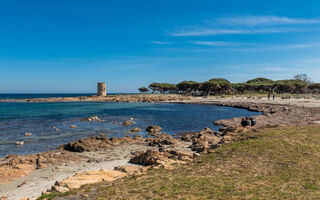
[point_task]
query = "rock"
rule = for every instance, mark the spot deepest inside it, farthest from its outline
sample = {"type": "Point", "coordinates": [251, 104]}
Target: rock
{"type": "Point", "coordinates": [73, 126]}
{"type": "Point", "coordinates": [135, 130]}
{"type": "Point", "coordinates": [156, 158]}
{"type": "Point", "coordinates": [128, 123]}
{"type": "Point", "coordinates": [253, 121]}
{"type": "Point", "coordinates": [20, 143]}
{"type": "Point", "coordinates": [204, 140]}
{"type": "Point", "coordinates": [3, 198]}
{"type": "Point", "coordinates": [137, 137]}
{"type": "Point", "coordinates": [245, 122]}
{"type": "Point", "coordinates": [160, 140]}
{"type": "Point", "coordinates": [131, 170]}
{"type": "Point", "coordinates": [96, 143]}
{"type": "Point", "coordinates": [154, 130]}
{"type": "Point", "coordinates": [59, 189]}
{"type": "Point", "coordinates": [45, 192]}
{"type": "Point", "coordinates": [131, 119]}
{"type": "Point", "coordinates": [93, 118]}
{"type": "Point", "coordinates": [27, 134]}
{"type": "Point", "coordinates": [150, 158]}
{"type": "Point", "coordinates": [91, 177]}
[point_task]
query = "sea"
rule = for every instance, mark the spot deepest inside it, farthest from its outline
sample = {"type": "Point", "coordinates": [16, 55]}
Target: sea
{"type": "Point", "coordinates": [41, 119]}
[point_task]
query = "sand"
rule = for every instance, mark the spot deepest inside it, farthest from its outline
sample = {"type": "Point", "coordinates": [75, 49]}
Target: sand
{"type": "Point", "coordinates": [31, 186]}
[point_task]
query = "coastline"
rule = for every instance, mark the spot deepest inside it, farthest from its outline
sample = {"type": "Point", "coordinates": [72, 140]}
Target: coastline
{"type": "Point", "coordinates": [110, 98]}
{"type": "Point", "coordinates": [275, 113]}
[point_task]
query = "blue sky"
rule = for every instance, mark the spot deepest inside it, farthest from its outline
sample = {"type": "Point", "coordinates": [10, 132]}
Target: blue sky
{"type": "Point", "coordinates": [68, 46]}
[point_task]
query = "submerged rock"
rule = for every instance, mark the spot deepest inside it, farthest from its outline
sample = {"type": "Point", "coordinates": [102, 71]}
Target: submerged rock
{"type": "Point", "coordinates": [135, 130]}
{"type": "Point", "coordinates": [27, 134]}
{"type": "Point", "coordinates": [20, 143]}
{"type": "Point", "coordinates": [128, 123]}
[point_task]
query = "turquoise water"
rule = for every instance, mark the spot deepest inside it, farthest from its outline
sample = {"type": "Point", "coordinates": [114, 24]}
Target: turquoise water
{"type": "Point", "coordinates": [39, 118]}
{"type": "Point", "coordinates": [49, 95]}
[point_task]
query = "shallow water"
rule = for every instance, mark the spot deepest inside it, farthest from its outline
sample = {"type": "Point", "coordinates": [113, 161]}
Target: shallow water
{"type": "Point", "coordinates": [39, 118]}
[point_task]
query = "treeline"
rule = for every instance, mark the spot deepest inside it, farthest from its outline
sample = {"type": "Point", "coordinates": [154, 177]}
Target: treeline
{"type": "Point", "coordinates": [301, 84]}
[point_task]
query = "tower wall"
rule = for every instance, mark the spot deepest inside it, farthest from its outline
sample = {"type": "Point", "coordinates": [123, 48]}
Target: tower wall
{"type": "Point", "coordinates": [101, 89]}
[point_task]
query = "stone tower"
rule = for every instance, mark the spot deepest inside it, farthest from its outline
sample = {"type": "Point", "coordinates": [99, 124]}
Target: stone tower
{"type": "Point", "coordinates": [102, 90]}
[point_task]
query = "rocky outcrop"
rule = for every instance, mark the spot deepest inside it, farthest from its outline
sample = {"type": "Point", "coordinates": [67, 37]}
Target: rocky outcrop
{"type": "Point", "coordinates": [161, 140]}
{"type": "Point", "coordinates": [15, 166]}
{"type": "Point", "coordinates": [273, 114]}
{"type": "Point", "coordinates": [203, 141]}
{"type": "Point", "coordinates": [97, 143]}
{"type": "Point", "coordinates": [164, 159]}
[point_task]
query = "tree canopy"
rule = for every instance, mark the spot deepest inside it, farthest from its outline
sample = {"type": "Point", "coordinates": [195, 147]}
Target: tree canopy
{"type": "Point", "coordinates": [300, 84]}
{"type": "Point", "coordinates": [143, 89]}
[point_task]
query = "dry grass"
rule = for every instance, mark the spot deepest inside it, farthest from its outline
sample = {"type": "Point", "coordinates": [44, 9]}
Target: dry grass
{"type": "Point", "coordinates": [282, 163]}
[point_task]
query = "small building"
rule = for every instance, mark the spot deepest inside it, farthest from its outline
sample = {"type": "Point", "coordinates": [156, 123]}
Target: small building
{"type": "Point", "coordinates": [101, 89]}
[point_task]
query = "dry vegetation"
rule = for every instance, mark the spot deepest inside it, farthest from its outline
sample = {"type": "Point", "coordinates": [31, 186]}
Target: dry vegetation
{"type": "Point", "coordinates": [281, 163]}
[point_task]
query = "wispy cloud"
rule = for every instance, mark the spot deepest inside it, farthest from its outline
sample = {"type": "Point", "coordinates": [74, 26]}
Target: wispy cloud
{"type": "Point", "coordinates": [159, 42]}
{"type": "Point", "coordinates": [246, 25]}
{"type": "Point", "coordinates": [216, 43]}
{"type": "Point", "coordinates": [280, 47]}
{"type": "Point", "coordinates": [214, 31]}
{"type": "Point", "coordinates": [251, 20]}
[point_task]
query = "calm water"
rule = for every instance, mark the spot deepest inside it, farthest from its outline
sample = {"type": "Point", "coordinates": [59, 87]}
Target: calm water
{"type": "Point", "coordinates": [29, 96]}
{"type": "Point", "coordinates": [39, 118]}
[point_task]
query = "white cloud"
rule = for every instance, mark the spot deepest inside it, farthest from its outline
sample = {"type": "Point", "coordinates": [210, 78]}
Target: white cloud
{"type": "Point", "coordinates": [251, 20]}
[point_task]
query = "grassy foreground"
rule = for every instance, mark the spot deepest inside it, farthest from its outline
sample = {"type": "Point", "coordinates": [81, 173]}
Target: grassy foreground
{"type": "Point", "coordinates": [281, 163]}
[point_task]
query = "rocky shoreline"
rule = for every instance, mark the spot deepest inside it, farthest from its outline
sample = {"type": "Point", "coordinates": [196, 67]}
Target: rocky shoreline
{"type": "Point", "coordinates": [157, 150]}
{"type": "Point", "coordinates": [112, 98]}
